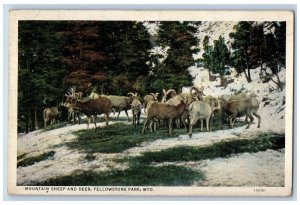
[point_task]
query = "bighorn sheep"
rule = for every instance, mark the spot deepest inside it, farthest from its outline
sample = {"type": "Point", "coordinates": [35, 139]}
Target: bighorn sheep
{"type": "Point", "coordinates": [239, 108]}
{"type": "Point", "coordinates": [119, 103]}
{"type": "Point", "coordinates": [228, 98]}
{"type": "Point", "coordinates": [162, 111]}
{"type": "Point", "coordinates": [188, 98]}
{"type": "Point", "coordinates": [91, 107]}
{"type": "Point", "coordinates": [148, 98]}
{"type": "Point", "coordinates": [50, 114]}
{"type": "Point", "coordinates": [136, 108]}
{"type": "Point", "coordinates": [199, 110]}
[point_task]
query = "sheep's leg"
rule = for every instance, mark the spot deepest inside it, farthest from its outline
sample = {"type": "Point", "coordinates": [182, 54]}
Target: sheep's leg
{"type": "Point", "coordinates": [146, 122]}
{"type": "Point", "coordinates": [207, 124]}
{"type": "Point", "coordinates": [193, 121]}
{"type": "Point", "coordinates": [154, 125]}
{"type": "Point", "coordinates": [138, 118]}
{"type": "Point", "coordinates": [133, 120]}
{"type": "Point", "coordinates": [127, 115]}
{"type": "Point", "coordinates": [89, 120]}
{"type": "Point", "coordinates": [186, 125]}
{"type": "Point", "coordinates": [231, 122]}
{"type": "Point", "coordinates": [251, 120]}
{"type": "Point", "coordinates": [106, 115]}
{"type": "Point", "coordinates": [170, 127]}
{"type": "Point", "coordinates": [258, 117]}
{"type": "Point", "coordinates": [183, 122]}
{"type": "Point", "coordinates": [119, 115]}
{"type": "Point", "coordinates": [95, 121]}
{"type": "Point", "coordinates": [73, 117]}
{"type": "Point", "coordinates": [157, 123]}
{"type": "Point", "coordinates": [151, 126]}
{"type": "Point", "coordinates": [201, 124]}
{"type": "Point", "coordinates": [69, 116]}
{"type": "Point", "coordinates": [191, 129]}
{"type": "Point", "coordinates": [177, 123]}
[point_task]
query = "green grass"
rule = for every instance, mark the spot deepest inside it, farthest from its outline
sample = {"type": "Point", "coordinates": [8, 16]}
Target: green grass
{"type": "Point", "coordinates": [143, 172]}
{"type": "Point", "coordinates": [221, 149]}
{"type": "Point", "coordinates": [116, 138]}
{"type": "Point", "coordinates": [32, 160]}
{"type": "Point", "coordinates": [140, 175]}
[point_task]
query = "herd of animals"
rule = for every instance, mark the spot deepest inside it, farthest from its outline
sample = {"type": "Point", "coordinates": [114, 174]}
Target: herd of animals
{"type": "Point", "coordinates": [184, 109]}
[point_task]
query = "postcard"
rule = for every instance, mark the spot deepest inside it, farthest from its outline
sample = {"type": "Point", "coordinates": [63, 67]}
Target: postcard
{"type": "Point", "coordinates": [150, 103]}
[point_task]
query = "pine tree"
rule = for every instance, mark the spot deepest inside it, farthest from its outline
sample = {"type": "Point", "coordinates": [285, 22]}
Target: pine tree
{"type": "Point", "coordinates": [272, 56]}
{"type": "Point", "coordinates": [220, 58]}
{"type": "Point", "coordinates": [256, 47]}
{"type": "Point", "coordinates": [181, 40]}
{"type": "Point", "coordinates": [280, 39]}
{"type": "Point", "coordinates": [241, 45]}
{"type": "Point", "coordinates": [127, 46]}
{"type": "Point", "coordinates": [207, 60]}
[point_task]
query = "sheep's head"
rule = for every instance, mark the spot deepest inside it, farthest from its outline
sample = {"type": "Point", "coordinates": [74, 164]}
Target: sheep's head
{"type": "Point", "coordinates": [136, 108]}
{"type": "Point", "coordinates": [155, 96]}
{"type": "Point", "coordinates": [199, 91]}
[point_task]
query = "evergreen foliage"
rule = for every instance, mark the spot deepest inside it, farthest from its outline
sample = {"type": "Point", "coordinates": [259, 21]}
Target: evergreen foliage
{"type": "Point", "coordinates": [181, 42]}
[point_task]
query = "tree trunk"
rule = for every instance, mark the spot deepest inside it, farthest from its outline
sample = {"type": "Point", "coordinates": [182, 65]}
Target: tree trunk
{"type": "Point", "coordinates": [210, 76]}
{"type": "Point", "coordinates": [249, 76]}
{"type": "Point", "coordinates": [27, 120]}
{"type": "Point", "coordinates": [279, 82]}
{"type": "Point", "coordinates": [36, 122]}
{"type": "Point", "coordinates": [244, 70]}
{"type": "Point", "coordinates": [248, 69]}
{"type": "Point", "coordinates": [29, 123]}
{"type": "Point", "coordinates": [221, 80]}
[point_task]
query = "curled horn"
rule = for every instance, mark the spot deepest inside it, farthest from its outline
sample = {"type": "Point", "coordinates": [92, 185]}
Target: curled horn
{"type": "Point", "coordinates": [171, 90]}
{"type": "Point", "coordinates": [130, 93]}
{"type": "Point", "coordinates": [152, 94]}
{"type": "Point", "coordinates": [199, 91]}
{"type": "Point", "coordinates": [193, 88]}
